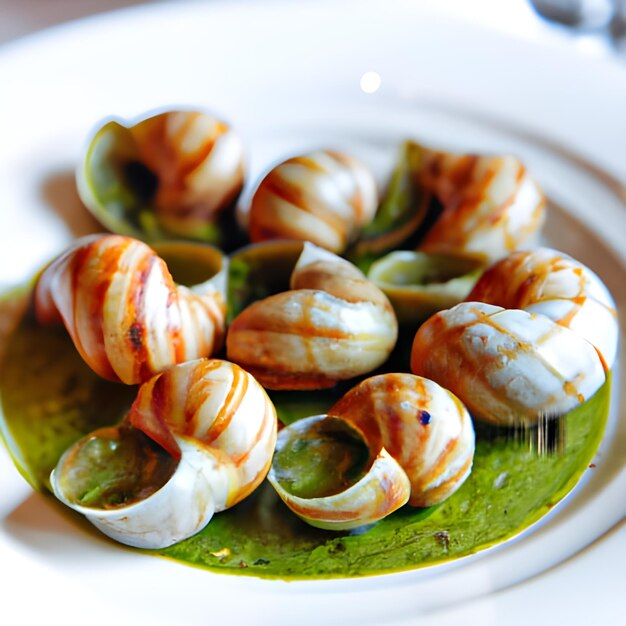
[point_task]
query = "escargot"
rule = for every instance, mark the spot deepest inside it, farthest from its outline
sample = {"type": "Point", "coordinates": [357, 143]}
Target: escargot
{"type": "Point", "coordinates": [392, 438]}
{"type": "Point", "coordinates": [324, 197]}
{"type": "Point", "coordinates": [332, 325]}
{"type": "Point", "coordinates": [423, 426]}
{"type": "Point", "coordinates": [173, 174]}
{"type": "Point", "coordinates": [491, 206]}
{"type": "Point", "coordinates": [508, 366]}
{"type": "Point", "coordinates": [198, 439]}
{"type": "Point", "coordinates": [548, 282]}
{"type": "Point", "coordinates": [123, 311]}
{"type": "Point", "coordinates": [481, 206]}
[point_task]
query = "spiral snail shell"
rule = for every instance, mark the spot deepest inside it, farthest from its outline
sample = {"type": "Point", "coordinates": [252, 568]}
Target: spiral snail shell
{"type": "Point", "coordinates": [491, 205]}
{"type": "Point", "coordinates": [420, 443]}
{"type": "Point", "coordinates": [216, 423]}
{"type": "Point", "coordinates": [551, 283]}
{"type": "Point", "coordinates": [170, 174]}
{"type": "Point", "coordinates": [324, 197]}
{"type": "Point", "coordinates": [423, 426]}
{"type": "Point", "coordinates": [507, 366]}
{"type": "Point", "coordinates": [332, 325]}
{"type": "Point", "coordinates": [126, 316]}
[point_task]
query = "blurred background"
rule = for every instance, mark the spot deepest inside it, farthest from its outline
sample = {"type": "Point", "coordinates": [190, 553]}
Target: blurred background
{"type": "Point", "coordinates": [595, 26]}
{"type": "Point", "coordinates": [22, 17]}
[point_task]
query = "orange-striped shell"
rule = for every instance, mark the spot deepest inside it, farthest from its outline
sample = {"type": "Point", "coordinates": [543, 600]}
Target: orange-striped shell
{"type": "Point", "coordinates": [324, 197]}
{"type": "Point", "coordinates": [491, 205]}
{"type": "Point", "coordinates": [421, 443]}
{"type": "Point", "coordinates": [126, 316]}
{"type": "Point", "coordinates": [192, 163]}
{"type": "Point", "coordinates": [383, 489]}
{"type": "Point", "coordinates": [548, 282]}
{"type": "Point", "coordinates": [219, 423]}
{"type": "Point", "coordinates": [223, 410]}
{"type": "Point", "coordinates": [332, 325]}
{"type": "Point", "coordinates": [423, 426]}
{"type": "Point", "coordinates": [508, 366]}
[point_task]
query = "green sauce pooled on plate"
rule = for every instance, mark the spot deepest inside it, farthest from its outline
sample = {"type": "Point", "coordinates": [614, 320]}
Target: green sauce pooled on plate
{"type": "Point", "coordinates": [49, 399]}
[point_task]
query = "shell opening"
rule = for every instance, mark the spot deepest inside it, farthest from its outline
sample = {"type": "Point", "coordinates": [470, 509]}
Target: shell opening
{"type": "Point", "coordinates": [322, 458]}
{"type": "Point", "coordinates": [260, 270]}
{"type": "Point", "coordinates": [141, 180]}
{"type": "Point", "coordinates": [420, 284]}
{"type": "Point", "coordinates": [195, 265]}
{"type": "Point", "coordinates": [419, 269]}
{"type": "Point", "coordinates": [112, 468]}
{"type": "Point", "coordinates": [332, 477]}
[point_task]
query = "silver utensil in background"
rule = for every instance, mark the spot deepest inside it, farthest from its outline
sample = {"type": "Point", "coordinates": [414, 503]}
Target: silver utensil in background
{"type": "Point", "coordinates": [603, 19]}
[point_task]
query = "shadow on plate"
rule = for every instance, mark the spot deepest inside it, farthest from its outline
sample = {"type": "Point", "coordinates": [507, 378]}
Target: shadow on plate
{"type": "Point", "coordinates": [46, 527]}
{"type": "Point", "coordinates": [59, 193]}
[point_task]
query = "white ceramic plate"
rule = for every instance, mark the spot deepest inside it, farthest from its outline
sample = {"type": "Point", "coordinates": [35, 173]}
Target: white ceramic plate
{"type": "Point", "coordinates": [288, 76]}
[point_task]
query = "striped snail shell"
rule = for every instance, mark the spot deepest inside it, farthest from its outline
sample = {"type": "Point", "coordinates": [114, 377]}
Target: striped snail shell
{"type": "Point", "coordinates": [491, 205]}
{"type": "Point", "coordinates": [218, 425]}
{"type": "Point", "coordinates": [507, 366]}
{"type": "Point", "coordinates": [379, 489]}
{"type": "Point", "coordinates": [551, 283]}
{"type": "Point", "coordinates": [332, 325]}
{"type": "Point", "coordinates": [420, 442]}
{"type": "Point", "coordinates": [423, 426]}
{"type": "Point", "coordinates": [170, 174]}
{"type": "Point", "coordinates": [123, 311]}
{"type": "Point", "coordinates": [324, 197]}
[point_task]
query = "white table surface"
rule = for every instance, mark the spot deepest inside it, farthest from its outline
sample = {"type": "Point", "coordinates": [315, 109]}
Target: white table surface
{"type": "Point", "coordinates": [580, 584]}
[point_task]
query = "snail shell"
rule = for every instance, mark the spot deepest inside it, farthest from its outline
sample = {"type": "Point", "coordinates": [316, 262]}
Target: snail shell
{"type": "Point", "coordinates": [123, 311]}
{"type": "Point", "coordinates": [332, 325]}
{"type": "Point", "coordinates": [421, 442]}
{"type": "Point", "coordinates": [180, 169]}
{"type": "Point", "coordinates": [219, 423]}
{"type": "Point", "coordinates": [507, 366]}
{"type": "Point", "coordinates": [491, 205]}
{"type": "Point", "coordinates": [382, 489]}
{"type": "Point", "coordinates": [324, 197]}
{"type": "Point", "coordinates": [548, 282]}
{"type": "Point", "coordinates": [423, 426]}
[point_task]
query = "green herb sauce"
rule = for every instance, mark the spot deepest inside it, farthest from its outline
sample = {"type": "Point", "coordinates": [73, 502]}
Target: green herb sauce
{"type": "Point", "coordinates": [510, 488]}
{"type": "Point", "coordinates": [49, 399]}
